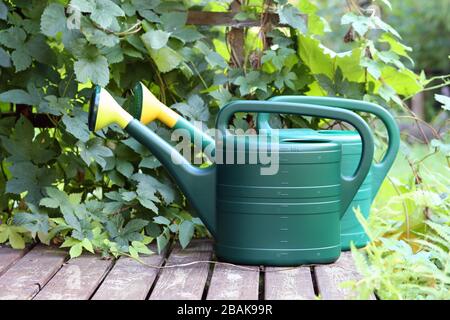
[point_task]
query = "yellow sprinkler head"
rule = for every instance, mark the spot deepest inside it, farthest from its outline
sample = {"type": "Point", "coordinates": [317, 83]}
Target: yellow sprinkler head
{"type": "Point", "coordinates": [147, 108]}
{"type": "Point", "coordinates": [104, 110]}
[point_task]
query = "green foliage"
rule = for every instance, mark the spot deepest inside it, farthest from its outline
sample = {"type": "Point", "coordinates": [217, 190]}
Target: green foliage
{"type": "Point", "coordinates": [104, 192]}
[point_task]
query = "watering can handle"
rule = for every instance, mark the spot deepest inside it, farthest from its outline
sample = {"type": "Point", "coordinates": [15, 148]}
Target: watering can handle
{"type": "Point", "coordinates": [350, 184]}
{"type": "Point", "coordinates": [379, 170]}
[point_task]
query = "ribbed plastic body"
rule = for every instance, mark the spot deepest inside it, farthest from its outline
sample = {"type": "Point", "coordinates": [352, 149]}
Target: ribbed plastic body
{"type": "Point", "coordinates": [290, 218]}
{"type": "Point", "coordinates": [351, 229]}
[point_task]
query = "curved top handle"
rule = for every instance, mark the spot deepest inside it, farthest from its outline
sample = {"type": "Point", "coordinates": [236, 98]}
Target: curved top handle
{"type": "Point", "coordinates": [380, 169]}
{"type": "Point", "coordinates": [350, 184]}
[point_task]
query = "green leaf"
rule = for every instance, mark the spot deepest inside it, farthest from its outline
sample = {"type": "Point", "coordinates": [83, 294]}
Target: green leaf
{"type": "Point", "coordinates": [87, 244]}
{"type": "Point", "coordinates": [5, 60]}
{"type": "Point", "coordinates": [290, 15]}
{"type": "Point", "coordinates": [17, 96]}
{"type": "Point", "coordinates": [162, 241]}
{"type": "Point", "coordinates": [3, 10]}
{"type": "Point", "coordinates": [105, 13]}
{"type": "Point", "coordinates": [140, 247]}
{"type": "Point", "coordinates": [124, 167]}
{"type": "Point", "coordinates": [13, 38]}
{"type": "Point", "coordinates": [31, 179]}
{"type": "Point", "coordinates": [161, 220]}
{"type": "Point", "coordinates": [76, 250]}
{"type": "Point", "coordinates": [77, 127]}
{"type": "Point", "coordinates": [166, 58]}
{"type": "Point", "coordinates": [94, 150]}
{"type": "Point", "coordinates": [444, 100]}
{"type": "Point", "coordinates": [92, 69]}
{"type": "Point", "coordinates": [32, 221]}
{"type": "Point", "coordinates": [21, 60]}
{"type": "Point", "coordinates": [16, 240]}
{"type": "Point", "coordinates": [83, 5]}
{"type": "Point", "coordinates": [173, 21]}
{"type": "Point", "coordinates": [155, 39]}
{"type": "Point", "coordinates": [187, 34]}
{"type": "Point", "coordinates": [186, 231]}
{"type": "Point", "coordinates": [53, 20]}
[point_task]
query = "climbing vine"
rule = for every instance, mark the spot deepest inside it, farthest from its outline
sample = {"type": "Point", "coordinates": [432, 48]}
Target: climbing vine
{"type": "Point", "coordinates": [104, 192]}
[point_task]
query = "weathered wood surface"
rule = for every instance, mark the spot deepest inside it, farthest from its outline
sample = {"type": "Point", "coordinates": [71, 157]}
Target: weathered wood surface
{"type": "Point", "coordinates": [8, 257]}
{"type": "Point", "coordinates": [130, 279]}
{"type": "Point", "coordinates": [42, 274]}
{"type": "Point", "coordinates": [288, 284]}
{"type": "Point", "coordinates": [233, 283]}
{"type": "Point", "coordinates": [184, 282]}
{"type": "Point", "coordinates": [28, 275]}
{"type": "Point", "coordinates": [331, 276]}
{"type": "Point", "coordinates": [77, 280]}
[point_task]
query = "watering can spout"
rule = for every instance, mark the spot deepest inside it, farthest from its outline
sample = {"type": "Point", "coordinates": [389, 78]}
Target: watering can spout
{"type": "Point", "coordinates": [197, 184]}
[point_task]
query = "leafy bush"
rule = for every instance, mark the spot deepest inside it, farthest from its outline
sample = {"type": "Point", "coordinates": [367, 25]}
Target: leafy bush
{"type": "Point", "coordinates": [104, 192]}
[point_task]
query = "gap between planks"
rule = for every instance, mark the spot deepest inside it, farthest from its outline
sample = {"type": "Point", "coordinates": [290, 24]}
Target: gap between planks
{"type": "Point", "coordinates": [331, 276]}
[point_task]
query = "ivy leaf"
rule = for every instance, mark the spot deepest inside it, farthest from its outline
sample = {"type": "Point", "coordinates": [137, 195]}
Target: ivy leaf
{"type": "Point", "coordinates": [186, 231]}
{"type": "Point", "coordinates": [99, 37]}
{"type": "Point", "coordinates": [32, 221]}
{"type": "Point", "coordinates": [17, 96]}
{"type": "Point", "coordinates": [13, 37]}
{"type": "Point", "coordinates": [149, 184]}
{"type": "Point", "coordinates": [162, 240]}
{"type": "Point", "coordinates": [140, 247]}
{"type": "Point", "coordinates": [31, 179]}
{"type": "Point", "coordinates": [5, 60]}
{"type": "Point", "coordinates": [444, 100]}
{"type": "Point", "coordinates": [166, 58]}
{"type": "Point", "coordinates": [83, 5]}
{"type": "Point", "coordinates": [173, 21]}
{"type": "Point", "coordinates": [53, 20]}
{"type": "Point", "coordinates": [105, 13]}
{"type": "Point", "coordinates": [94, 150]}
{"type": "Point", "coordinates": [13, 234]}
{"type": "Point", "coordinates": [77, 127]}
{"type": "Point", "coordinates": [187, 34]}
{"type": "Point", "coordinates": [222, 96]}
{"type": "Point", "coordinates": [290, 15]}
{"type": "Point", "coordinates": [155, 39]}
{"type": "Point", "coordinates": [3, 11]}
{"type": "Point", "coordinates": [124, 167]}
{"type": "Point", "coordinates": [124, 235]}
{"type": "Point", "coordinates": [21, 60]}
{"type": "Point", "coordinates": [93, 69]}
{"type": "Point", "coordinates": [76, 250]}
{"type": "Point", "coordinates": [194, 109]}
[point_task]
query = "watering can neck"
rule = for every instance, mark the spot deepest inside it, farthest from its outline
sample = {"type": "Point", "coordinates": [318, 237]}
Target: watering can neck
{"type": "Point", "coordinates": [198, 184]}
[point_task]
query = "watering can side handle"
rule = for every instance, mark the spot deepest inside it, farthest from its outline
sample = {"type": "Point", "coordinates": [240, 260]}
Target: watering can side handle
{"type": "Point", "coordinates": [350, 184]}
{"type": "Point", "coordinates": [380, 169]}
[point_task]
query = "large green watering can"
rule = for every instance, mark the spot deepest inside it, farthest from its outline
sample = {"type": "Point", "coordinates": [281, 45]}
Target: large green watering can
{"type": "Point", "coordinates": [351, 229]}
{"type": "Point", "coordinates": [287, 218]}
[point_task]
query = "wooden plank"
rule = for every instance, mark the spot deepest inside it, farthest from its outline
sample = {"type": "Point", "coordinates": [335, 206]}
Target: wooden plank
{"type": "Point", "coordinates": [77, 279]}
{"type": "Point", "coordinates": [233, 283]}
{"type": "Point", "coordinates": [9, 256]}
{"type": "Point", "coordinates": [329, 278]}
{"type": "Point", "coordinates": [288, 284]}
{"type": "Point", "coordinates": [24, 279]}
{"type": "Point", "coordinates": [129, 279]}
{"type": "Point", "coordinates": [184, 283]}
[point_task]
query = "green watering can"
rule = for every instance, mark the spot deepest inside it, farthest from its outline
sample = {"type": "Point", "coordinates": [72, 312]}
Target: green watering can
{"type": "Point", "coordinates": [351, 229]}
{"type": "Point", "coordinates": [288, 218]}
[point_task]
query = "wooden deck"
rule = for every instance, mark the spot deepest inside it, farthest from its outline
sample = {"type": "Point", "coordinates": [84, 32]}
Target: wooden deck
{"type": "Point", "coordinates": [43, 273]}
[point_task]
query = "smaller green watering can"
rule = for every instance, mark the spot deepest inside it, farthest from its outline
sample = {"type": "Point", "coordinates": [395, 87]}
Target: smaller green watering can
{"type": "Point", "coordinates": [289, 217]}
{"type": "Point", "coordinates": [351, 229]}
